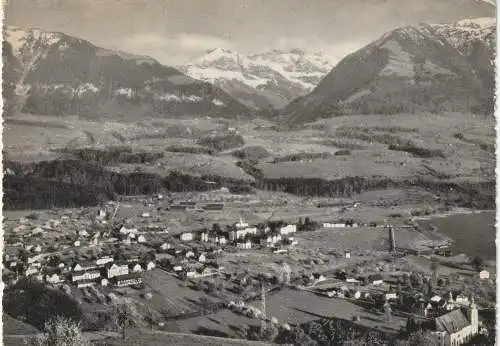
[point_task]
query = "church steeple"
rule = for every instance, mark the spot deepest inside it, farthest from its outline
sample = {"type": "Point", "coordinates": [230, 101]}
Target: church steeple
{"type": "Point", "coordinates": [473, 314]}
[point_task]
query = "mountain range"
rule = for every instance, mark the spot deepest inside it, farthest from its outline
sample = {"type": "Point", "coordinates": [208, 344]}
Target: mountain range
{"type": "Point", "coordinates": [51, 73]}
{"type": "Point", "coordinates": [268, 80]}
{"type": "Point", "coordinates": [442, 67]}
{"type": "Point", "coordinates": [426, 67]}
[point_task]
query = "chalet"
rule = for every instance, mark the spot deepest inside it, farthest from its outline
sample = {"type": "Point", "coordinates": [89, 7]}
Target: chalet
{"type": "Point", "coordinates": [116, 269]}
{"type": "Point", "coordinates": [347, 254]}
{"type": "Point", "coordinates": [36, 264]}
{"type": "Point", "coordinates": [190, 274]}
{"type": "Point", "coordinates": [104, 282]}
{"type": "Point", "coordinates": [136, 267]}
{"type": "Point", "coordinates": [187, 236]}
{"type": "Point", "coordinates": [85, 275]}
{"type": "Point", "coordinates": [84, 265]}
{"type": "Point", "coordinates": [145, 215]}
{"type": "Point", "coordinates": [52, 278]}
{"type": "Point", "coordinates": [127, 280]}
{"type": "Point", "coordinates": [354, 294]}
{"type": "Point", "coordinates": [375, 279]}
{"type": "Point", "coordinates": [37, 248]}
{"type": "Point", "coordinates": [221, 240]}
{"type": "Point", "coordinates": [149, 265]}
{"type": "Point", "coordinates": [85, 283]}
{"type": "Point", "coordinates": [76, 243]}
{"type": "Point", "coordinates": [484, 275]}
{"type": "Point", "coordinates": [177, 268]}
{"type": "Point", "coordinates": [189, 254]}
{"type": "Point", "coordinates": [141, 239]}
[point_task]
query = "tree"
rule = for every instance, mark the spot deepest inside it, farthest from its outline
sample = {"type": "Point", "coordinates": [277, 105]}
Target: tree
{"type": "Point", "coordinates": [60, 331]}
{"type": "Point", "coordinates": [124, 319]}
{"type": "Point", "coordinates": [478, 263]}
{"type": "Point", "coordinates": [419, 338]}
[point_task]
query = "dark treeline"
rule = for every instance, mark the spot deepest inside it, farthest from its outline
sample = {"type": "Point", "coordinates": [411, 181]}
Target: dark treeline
{"type": "Point", "coordinates": [114, 155]}
{"type": "Point", "coordinates": [71, 183]}
{"type": "Point", "coordinates": [465, 194]}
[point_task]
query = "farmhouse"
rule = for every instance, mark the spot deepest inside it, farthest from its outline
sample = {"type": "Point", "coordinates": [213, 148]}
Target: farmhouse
{"type": "Point", "coordinates": [347, 254]}
{"type": "Point", "coordinates": [115, 269]}
{"type": "Point", "coordinates": [333, 225]}
{"type": "Point", "coordinates": [244, 244]}
{"type": "Point", "coordinates": [141, 239]}
{"type": "Point", "coordinates": [85, 275]}
{"type": "Point", "coordinates": [30, 271]}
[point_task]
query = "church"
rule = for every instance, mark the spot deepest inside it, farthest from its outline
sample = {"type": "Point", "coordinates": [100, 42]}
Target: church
{"type": "Point", "coordinates": [457, 327]}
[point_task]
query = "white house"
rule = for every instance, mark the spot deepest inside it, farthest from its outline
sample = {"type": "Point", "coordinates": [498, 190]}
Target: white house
{"type": "Point", "coordinates": [288, 229]}
{"type": "Point", "coordinates": [204, 237]}
{"type": "Point", "coordinates": [76, 243]}
{"type": "Point", "coordinates": [104, 282]}
{"type": "Point", "coordinates": [53, 279]}
{"type": "Point", "coordinates": [191, 274]}
{"type": "Point", "coordinates": [116, 270]}
{"type": "Point", "coordinates": [165, 246]}
{"type": "Point", "coordinates": [30, 271]}
{"type": "Point", "coordinates": [244, 245]}
{"type": "Point", "coordinates": [37, 248]}
{"type": "Point", "coordinates": [202, 258]}
{"type": "Point", "coordinates": [83, 233]}
{"type": "Point", "coordinates": [86, 275]}
{"type": "Point", "coordinates": [241, 224]}
{"type": "Point", "coordinates": [177, 268]}
{"type": "Point", "coordinates": [150, 265]}
{"type": "Point", "coordinates": [141, 239]}
{"type": "Point", "coordinates": [125, 230]}
{"type": "Point", "coordinates": [189, 254]}
{"type": "Point", "coordinates": [135, 268]}
{"type": "Point", "coordinates": [146, 214]}
{"type": "Point", "coordinates": [391, 296]}
{"type": "Point", "coordinates": [104, 260]}
{"type": "Point", "coordinates": [348, 254]}
{"type": "Point", "coordinates": [484, 275]}
{"type": "Point", "coordinates": [187, 236]}
{"type": "Point", "coordinates": [333, 225]}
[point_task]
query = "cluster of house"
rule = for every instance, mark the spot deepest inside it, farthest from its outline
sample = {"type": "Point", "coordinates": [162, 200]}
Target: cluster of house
{"type": "Point", "coordinates": [343, 224]}
{"type": "Point", "coordinates": [189, 263]}
{"type": "Point", "coordinates": [105, 271]}
{"type": "Point", "coordinates": [245, 236]}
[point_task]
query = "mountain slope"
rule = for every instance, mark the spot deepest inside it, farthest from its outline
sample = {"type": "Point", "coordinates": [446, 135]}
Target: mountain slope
{"type": "Point", "coordinates": [261, 81]}
{"type": "Point", "coordinates": [417, 68]}
{"type": "Point", "coordinates": [53, 73]}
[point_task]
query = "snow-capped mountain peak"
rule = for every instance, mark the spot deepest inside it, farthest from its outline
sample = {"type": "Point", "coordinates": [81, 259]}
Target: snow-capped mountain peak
{"type": "Point", "coordinates": [269, 79]}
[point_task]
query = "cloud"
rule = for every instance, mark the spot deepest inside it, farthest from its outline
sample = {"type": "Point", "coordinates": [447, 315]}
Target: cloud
{"type": "Point", "coordinates": [169, 49]}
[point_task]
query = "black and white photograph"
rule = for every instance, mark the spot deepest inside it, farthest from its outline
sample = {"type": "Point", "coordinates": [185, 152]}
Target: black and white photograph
{"type": "Point", "coordinates": [248, 172]}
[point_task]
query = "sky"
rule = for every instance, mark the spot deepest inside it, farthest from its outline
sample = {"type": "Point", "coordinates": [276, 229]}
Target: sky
{"type": "Point", "coordinates": [178, 31]}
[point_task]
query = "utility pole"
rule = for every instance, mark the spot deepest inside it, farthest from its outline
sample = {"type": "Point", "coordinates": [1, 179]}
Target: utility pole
{"type": "Point", "coordinates": [263, 324]}
{"type": "Point", "coordinates": [392, 240]}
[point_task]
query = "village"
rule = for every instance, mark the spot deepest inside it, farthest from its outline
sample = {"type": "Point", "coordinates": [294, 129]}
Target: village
{"type": "Point", "coordinates": [96, 256]}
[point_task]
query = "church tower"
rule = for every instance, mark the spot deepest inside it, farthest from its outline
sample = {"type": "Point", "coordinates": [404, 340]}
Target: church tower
{"type": "Point", "coordinates": [473, 314]}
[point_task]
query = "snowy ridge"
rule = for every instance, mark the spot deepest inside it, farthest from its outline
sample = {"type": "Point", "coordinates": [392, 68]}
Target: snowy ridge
{"type": "Point", "coordinates": [275, 75]}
